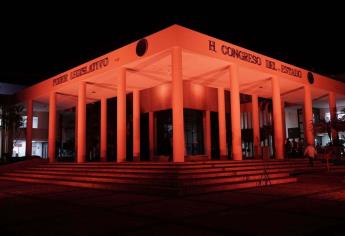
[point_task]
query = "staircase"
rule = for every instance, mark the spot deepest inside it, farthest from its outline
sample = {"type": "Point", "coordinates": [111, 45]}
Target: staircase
{"type": "Point", "coordinates": [162, 178]}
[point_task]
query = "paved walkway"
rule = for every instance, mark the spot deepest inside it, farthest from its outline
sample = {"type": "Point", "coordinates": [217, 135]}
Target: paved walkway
{"type": "Point", "coordinates": [314, 205]}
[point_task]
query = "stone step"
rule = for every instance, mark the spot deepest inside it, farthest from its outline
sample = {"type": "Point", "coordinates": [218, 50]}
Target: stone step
{"type": "Point", "coordinates": [152, 189]}
{"type": "Point", "coordinates": [337, 168]}
{"type": "Point", "coordinates": [230, 179]}
{"type": "Point", "coordinates": [234, 186]}
{"type": "Point", "coordinates": [149, 163]}
{"type": "Point", "coordinates": [171, 166]}
{"type": "Point", "coordinates": [97, 173]}
{"type": "Point", "coordinates": [155, 176]}
{"type": "Point", "coordinates": [180, 175]}
{"type": "Point", "coordinates": [148, 181]}
{"type": "Point", "coordinates": [164, 171]}
{"type": "Point", "coordinates": [163, 179]}
{"type": "Point", "coordinates": [246, 171]}
{"type": "Point", "coordinates": [142, 189]}
{"type": "Point", "coordinates": [85, 178]}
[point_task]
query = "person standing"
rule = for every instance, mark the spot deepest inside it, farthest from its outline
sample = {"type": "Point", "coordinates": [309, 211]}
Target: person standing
{"type": "Point", "coordinates": [294, 147]}
{"type": "Point", "coordinates": [311, 153]}
{"type": "Point", "coordinates": [288, 147]}
{"type": "Point", "coordinates": [300, 146]}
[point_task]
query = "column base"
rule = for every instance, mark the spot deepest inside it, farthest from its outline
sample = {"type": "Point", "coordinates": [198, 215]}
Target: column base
{"type": "Point", "coordinates": [257, 152]}
{"type": "Point", "coordinates": [279, 157]}
{"type": "Point", "coordinates": [79, 161]}
{"type": "Point", "coordinates": [223, 157]}
{"type": "Point", "coordinates": [136, 158]}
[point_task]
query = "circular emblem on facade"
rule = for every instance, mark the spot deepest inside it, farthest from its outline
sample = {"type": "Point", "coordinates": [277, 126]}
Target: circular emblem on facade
{"type": "Point", "coordinates": [310, 77]}
{"type": "Point", "coordinates": [142, 46]}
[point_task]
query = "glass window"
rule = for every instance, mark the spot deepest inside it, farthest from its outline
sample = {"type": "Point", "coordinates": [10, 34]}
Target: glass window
{"type": "Point", "coordinates": [34, 122]}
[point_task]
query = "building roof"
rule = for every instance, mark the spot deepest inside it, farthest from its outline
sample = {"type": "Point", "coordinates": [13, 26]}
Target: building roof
{"type": "Point", "coordinates": [205, 60]}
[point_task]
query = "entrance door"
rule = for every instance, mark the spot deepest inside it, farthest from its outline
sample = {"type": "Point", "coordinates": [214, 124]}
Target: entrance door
{"type": "Point", "coordinates": [144, 137]}
{"type": "Point", "coordinates": [164, 133]}
{"type": "Point", "coordinates": [44, 150]}
{"type": "Point", "coordinates": [215, 153]}
{"type": "Point", "coordinates": [194, 132]}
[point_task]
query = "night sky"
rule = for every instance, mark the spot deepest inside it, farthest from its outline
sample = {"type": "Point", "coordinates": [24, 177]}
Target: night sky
{"type": "Point", "coordinates": [38, 42]}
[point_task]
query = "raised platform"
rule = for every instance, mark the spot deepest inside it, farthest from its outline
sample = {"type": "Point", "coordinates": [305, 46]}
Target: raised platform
{"type": "Point", "coordinates": [161, 178]}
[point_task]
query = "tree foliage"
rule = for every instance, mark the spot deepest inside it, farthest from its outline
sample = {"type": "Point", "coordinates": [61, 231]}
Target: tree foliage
{"type": "Point", "coordinates": [11, 121]}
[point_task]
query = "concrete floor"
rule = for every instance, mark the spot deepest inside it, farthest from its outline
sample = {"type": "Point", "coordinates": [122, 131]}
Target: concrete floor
{"type": "Point", "coordinates": [314, 205]}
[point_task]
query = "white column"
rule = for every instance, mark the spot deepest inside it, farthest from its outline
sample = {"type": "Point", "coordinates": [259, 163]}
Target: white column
{"type": "Point", "coordinates": [277, 119]}
{"type": "Point", "coordinates": [121, 117]}
{"type": "Point", "coordinates": [284, 123]}
{"type": "Point", "coordinates": [136, 125]}
{"type": "Point", "coordinates": [103, 130]}
{"type": "Point", "coordinates": [81, 153]}
{"type": "Point", "coordinates": [52, 127]}
{"type": "Point", "coordinates": [308, 115]}
{"type": "Point", "coordinates": [177, 106]}
{"type": "Point", "coordinates": [222, 124]}
{"type": "Point", "coordinates": [235, 113]}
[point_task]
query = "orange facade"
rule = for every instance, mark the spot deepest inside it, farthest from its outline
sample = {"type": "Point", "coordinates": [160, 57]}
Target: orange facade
{"type": "Point", "coordinates": [178, 69]}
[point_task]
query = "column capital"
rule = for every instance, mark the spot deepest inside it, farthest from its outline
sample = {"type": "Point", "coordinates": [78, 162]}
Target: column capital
{"type": "Point", "coordinates": [307, 86]}
{"type": "Point", "coordinates": [123, 71]}
{"type": "Point", "coordinates": [176, 48]}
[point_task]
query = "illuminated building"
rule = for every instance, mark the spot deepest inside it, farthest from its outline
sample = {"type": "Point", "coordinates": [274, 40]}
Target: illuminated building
{"type": "Point", "coordinates": [180, 95]}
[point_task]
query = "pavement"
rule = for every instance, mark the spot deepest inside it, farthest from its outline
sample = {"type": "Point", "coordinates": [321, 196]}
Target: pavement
{"type": "Point", "coordinates": [313, 205]}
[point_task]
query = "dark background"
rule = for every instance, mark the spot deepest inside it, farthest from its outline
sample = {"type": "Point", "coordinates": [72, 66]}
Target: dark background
{"type": "Point", "coordinates": [39, 40]}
